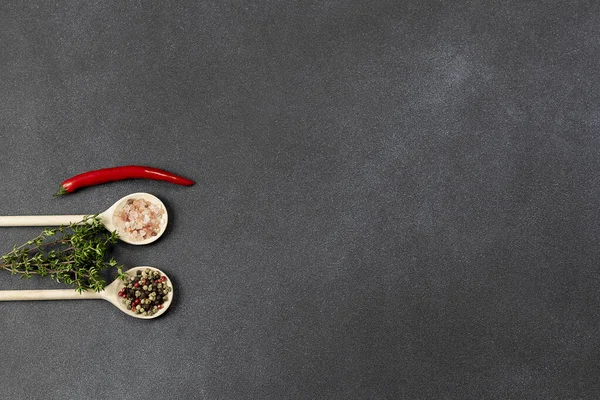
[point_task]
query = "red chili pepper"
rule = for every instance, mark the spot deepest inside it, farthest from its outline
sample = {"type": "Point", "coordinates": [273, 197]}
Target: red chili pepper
{"type": "Point", "coordinates": [118, 174]}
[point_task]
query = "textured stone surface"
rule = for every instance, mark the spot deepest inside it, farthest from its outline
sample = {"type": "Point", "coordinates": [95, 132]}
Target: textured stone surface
{"type": "Point", "coordinates": [395, 199]}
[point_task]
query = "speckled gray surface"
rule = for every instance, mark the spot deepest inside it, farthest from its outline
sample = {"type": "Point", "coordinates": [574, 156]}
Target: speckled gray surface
{"type": "Point", "coordinates": [395, 199]}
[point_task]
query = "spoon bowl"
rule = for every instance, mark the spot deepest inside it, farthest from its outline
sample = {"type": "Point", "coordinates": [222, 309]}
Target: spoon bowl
{"type": "Point", "coordinates": [110, 294]}
{"type": "Point", "coordinates": [111, 291]}
{"type": "Point", "coordinates": [109, 218]}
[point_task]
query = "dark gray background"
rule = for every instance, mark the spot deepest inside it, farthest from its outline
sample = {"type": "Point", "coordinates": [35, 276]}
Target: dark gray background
{"type": "Point", "coordinates": [395, 199]}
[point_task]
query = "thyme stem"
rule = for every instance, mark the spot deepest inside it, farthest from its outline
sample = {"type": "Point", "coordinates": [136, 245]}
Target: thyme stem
{"type": "Point", "coordinates": [73, 254]}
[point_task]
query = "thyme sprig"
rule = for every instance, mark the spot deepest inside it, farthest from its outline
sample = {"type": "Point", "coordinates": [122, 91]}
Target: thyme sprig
{"type": "Point", "coordinates": [73, 254]}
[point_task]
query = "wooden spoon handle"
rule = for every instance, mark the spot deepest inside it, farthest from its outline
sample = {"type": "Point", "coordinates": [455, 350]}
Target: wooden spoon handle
{"type": "Point", "coordinates": [40, 220]}
{"type": "Point", "coordinates": [60, 294]}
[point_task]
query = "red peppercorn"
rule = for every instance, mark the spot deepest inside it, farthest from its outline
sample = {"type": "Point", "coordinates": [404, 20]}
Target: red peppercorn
{"type": "Point", "coordinates": [136, 284]}
{"type": "Point", "coordinates": [159, 306]}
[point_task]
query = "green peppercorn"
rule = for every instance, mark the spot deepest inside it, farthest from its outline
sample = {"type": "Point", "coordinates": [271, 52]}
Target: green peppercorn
{"type": "Point", "coordinates": [151, 295]}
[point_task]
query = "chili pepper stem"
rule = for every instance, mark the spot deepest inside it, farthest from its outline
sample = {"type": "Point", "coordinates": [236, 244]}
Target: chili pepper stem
{"type": "Point", "coordinates": [61, 191]}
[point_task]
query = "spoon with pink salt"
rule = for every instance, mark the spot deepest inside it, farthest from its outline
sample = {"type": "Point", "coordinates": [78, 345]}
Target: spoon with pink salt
{"type": "Point", "coordinates": [138, 218]}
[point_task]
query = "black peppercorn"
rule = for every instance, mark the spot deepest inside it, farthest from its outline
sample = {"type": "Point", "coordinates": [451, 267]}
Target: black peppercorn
{"type": "Point", "coordinates": [145, 297]}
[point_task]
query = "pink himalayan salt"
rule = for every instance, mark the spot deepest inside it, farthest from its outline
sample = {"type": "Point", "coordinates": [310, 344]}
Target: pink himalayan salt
{"type": "Point", "coordinates": [140, 219]}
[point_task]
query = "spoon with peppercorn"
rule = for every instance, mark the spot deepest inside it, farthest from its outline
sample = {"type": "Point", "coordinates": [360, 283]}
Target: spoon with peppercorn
{"type": "Point", "coordinates": [139, 218]}
{"type": "Point", "coordinates": [143, 292]}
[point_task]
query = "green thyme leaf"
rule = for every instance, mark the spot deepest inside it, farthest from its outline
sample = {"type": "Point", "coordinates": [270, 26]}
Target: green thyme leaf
{"type": "Point", "coordinates": [73, 254]}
